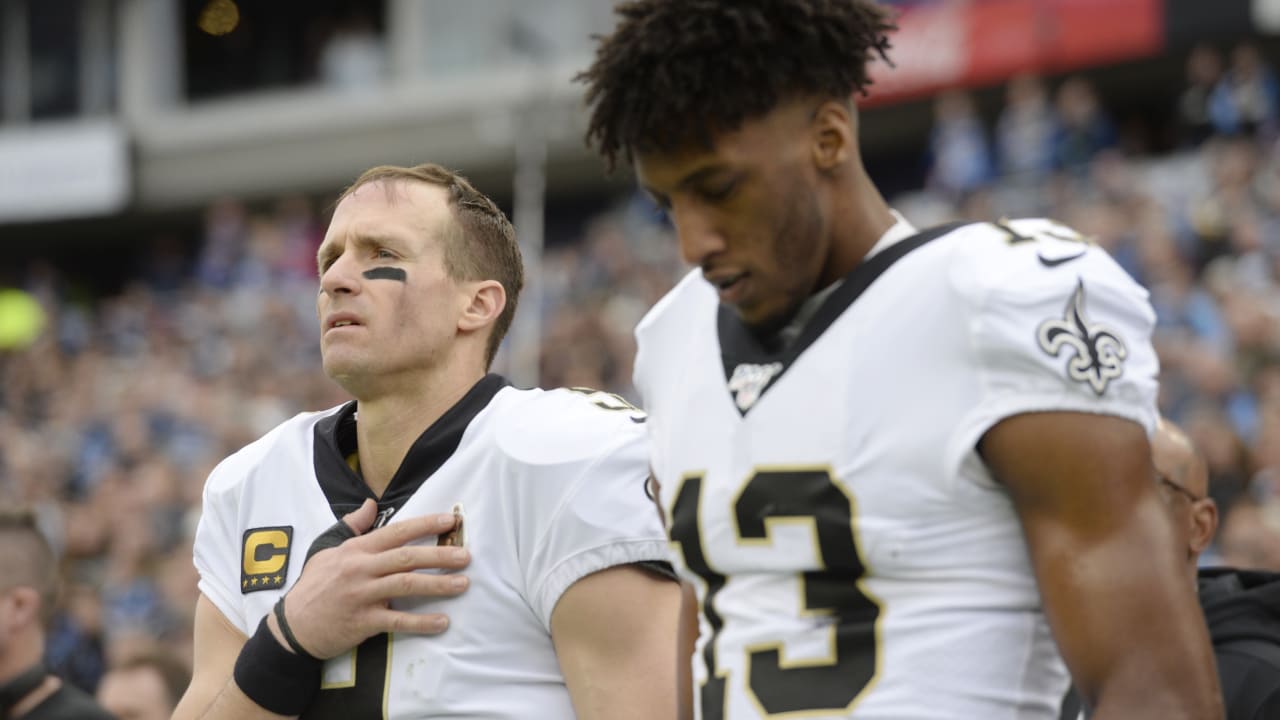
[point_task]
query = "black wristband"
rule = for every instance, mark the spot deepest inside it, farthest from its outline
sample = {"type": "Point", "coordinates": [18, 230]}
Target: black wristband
{"type": "Point", "coordinates": [287, 631]}
{"type": "Point", "coordinates": [333, 536]}
{"type": "Point", "coordinates": [274, 678]}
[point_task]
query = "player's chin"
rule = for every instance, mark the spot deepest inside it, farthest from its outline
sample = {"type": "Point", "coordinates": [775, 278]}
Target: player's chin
{"type": "Point", "coordinates": [339, 365]}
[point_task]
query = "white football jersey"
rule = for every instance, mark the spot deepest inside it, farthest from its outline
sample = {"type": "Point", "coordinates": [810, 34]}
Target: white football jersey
{"type": "Point", "coordinates": [552, 488]}
{"type": "Point", "coordinates": [853, 557]}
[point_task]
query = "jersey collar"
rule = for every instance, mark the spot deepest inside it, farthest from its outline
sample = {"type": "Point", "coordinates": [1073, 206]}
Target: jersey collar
{"type": "Point", "coordinates": [754, 364]}
{"type": "Point", "coordinates": [335, 440]}
{"type": "Point", "coordinates": [899, 231]}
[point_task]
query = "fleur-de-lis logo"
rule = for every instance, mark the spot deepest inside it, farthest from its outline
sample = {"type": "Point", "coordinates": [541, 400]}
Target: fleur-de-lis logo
{"type": "Point", "coordinates": [749, 381]}
{"type": "Point", "coordinates": [1099, 352]}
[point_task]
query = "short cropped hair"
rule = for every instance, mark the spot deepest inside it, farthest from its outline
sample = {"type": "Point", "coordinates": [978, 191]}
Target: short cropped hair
{"type": "Point", "coordinates": [484, 248]}
{"type": "Point", "coordinates": [27, 560]}
{"type": "Point", "coordinates": [677, 72]}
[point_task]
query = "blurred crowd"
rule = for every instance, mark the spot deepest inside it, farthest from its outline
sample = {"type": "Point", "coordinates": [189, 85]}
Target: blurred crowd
{"type": "Point", "coordinates": [1199, 227]}
{"type": "Point", "coordinates": [113, 411]}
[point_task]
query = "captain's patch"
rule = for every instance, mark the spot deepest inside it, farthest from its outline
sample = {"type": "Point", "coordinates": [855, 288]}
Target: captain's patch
{"type": "Point", "coordinates": [265, 563]}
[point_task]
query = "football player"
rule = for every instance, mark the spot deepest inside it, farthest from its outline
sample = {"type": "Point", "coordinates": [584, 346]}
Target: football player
{"type": "Point", "coordinates": [907, 470]}
{"type": "Point", "coordinates": [434, 467]}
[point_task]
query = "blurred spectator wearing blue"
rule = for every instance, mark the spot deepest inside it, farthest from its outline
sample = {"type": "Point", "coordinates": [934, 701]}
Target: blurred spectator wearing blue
{"type": "Point", "coordinates": [1084, 128]}
{"type": "Point", "coordinates": [961, 156]}
{"type": "Point", "coordinates": [1246, 99]}
{"type": "Point", "coordinates": [1026, 130]}
{"type": "Point", "coordinates": [1195, 116]}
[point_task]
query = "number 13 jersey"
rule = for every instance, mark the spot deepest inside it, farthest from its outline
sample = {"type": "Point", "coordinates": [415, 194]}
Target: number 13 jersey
{"type": "Point", "coordinates": [852, 556]}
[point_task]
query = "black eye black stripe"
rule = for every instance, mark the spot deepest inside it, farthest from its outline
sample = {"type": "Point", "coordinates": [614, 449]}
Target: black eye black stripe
{"type": "Point", "coordinates": [386, 273]}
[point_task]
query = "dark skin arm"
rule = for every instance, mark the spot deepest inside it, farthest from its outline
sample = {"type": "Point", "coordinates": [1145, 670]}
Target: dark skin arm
{"type": "Point", "coordinates": [1123, 613]}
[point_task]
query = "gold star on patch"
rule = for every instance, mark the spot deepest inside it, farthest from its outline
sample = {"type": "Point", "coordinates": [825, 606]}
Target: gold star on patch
{"type": "Point", "coordinates": [244, 583]}
{"type": "Point", "coordinates": [254, 581]}
{"type": "Point", "coordinates": [279, 580]}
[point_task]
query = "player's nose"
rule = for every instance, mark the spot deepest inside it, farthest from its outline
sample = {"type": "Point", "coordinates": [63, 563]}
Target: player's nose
{"type": "Point", "coordinates": [341, 277]}
{"type": "Point", "coordinates": [697, 234]}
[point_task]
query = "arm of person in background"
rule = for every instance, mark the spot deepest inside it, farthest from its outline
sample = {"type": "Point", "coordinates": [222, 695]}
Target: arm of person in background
{"type": "Point", "coordinates": [686, 646]}
{"type": "Point", "coordinates": [615, 634]}
{"type": "Point", "coordinates": [1124, 617]}
{"type": "Point", "coordinates": [340, 600]}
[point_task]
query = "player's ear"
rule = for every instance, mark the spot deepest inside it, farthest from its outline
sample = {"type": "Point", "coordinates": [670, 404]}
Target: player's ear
{"type": "Point", "coordinates": [835, 134]}
{"type": "Point", "coordinates": [485, 303]}
{"type": "Point", "coordinates": [1204, 523]}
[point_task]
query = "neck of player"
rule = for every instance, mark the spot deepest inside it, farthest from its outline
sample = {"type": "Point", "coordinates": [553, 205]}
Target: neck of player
{"type": "Point", "coordinates": [388, 423]}
{"type": "Point", "coordinates": [860, 217]}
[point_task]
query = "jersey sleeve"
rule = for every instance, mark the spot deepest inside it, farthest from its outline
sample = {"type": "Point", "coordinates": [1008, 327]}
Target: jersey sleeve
{"type": "Point", "coordinates": [1055, 326]}
{"type": "Point", "coordinates": [217, 544]}
{"type": "Point", "coordinates": [589, 512]}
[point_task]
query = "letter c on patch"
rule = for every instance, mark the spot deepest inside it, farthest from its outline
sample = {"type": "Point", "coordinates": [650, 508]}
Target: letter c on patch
{"type": "Point", "coordinates": [265, 552]}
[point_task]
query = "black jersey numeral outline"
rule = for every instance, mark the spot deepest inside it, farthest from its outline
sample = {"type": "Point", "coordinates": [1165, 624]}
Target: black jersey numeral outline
{"type": "Point", "coordinates": [832, 595]}
{"type": "Point", "coordinates": [611, 401]}
{"type": "Point", "coordinates": [364, 695]}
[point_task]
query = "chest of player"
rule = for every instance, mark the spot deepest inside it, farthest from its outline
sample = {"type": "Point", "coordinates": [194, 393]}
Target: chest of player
{"type": "Point", "coordinates": [849, 434]}
{"type": "Point", "coordinates": [282, 510]}
{"type": "Point", "coordinates": [411, 676]}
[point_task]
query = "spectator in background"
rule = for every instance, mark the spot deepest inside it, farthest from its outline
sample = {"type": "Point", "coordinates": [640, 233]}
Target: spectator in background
{"type": "Point", "coordinates": [958, 145]}
{"type": "Point", "coordinates": [28, 588]}
{"type": "Point", "coordinates": [144, 687]}
{"type": "Point", "coordinates": [1211, 214]}
{"type": "Point", "coordinates": [354, 56]}
{"type": "Point", "coordinates": [1025, 130]}
{"type": "Point", "coordinates": [1204, 71]}
{"type": "Point", "coordinates": [76, 650]}
{"type": "Point", "coordinates": [1084, 129]}
{"type": "Point", "coordinates": [1242, 607]}
{"type": "Point", "coordinates": [225, 230]}
{"type": "Point", "coordinates": [1246, 100]}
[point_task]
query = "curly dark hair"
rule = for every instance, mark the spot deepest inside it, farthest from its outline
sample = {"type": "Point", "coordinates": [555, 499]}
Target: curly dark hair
{"type": "Point", "coordinates": [677, 71]}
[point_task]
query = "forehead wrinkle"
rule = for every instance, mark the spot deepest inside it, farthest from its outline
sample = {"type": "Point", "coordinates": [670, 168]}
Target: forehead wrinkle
{"type": "Point", "coordinates": [414, 232]}
{"type": "Point", "coordinates": [427, 197]}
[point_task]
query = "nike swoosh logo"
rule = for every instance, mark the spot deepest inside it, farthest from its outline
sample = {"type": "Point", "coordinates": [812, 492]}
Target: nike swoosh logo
{"type": "Point", "coordinates": [1054, 262]}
